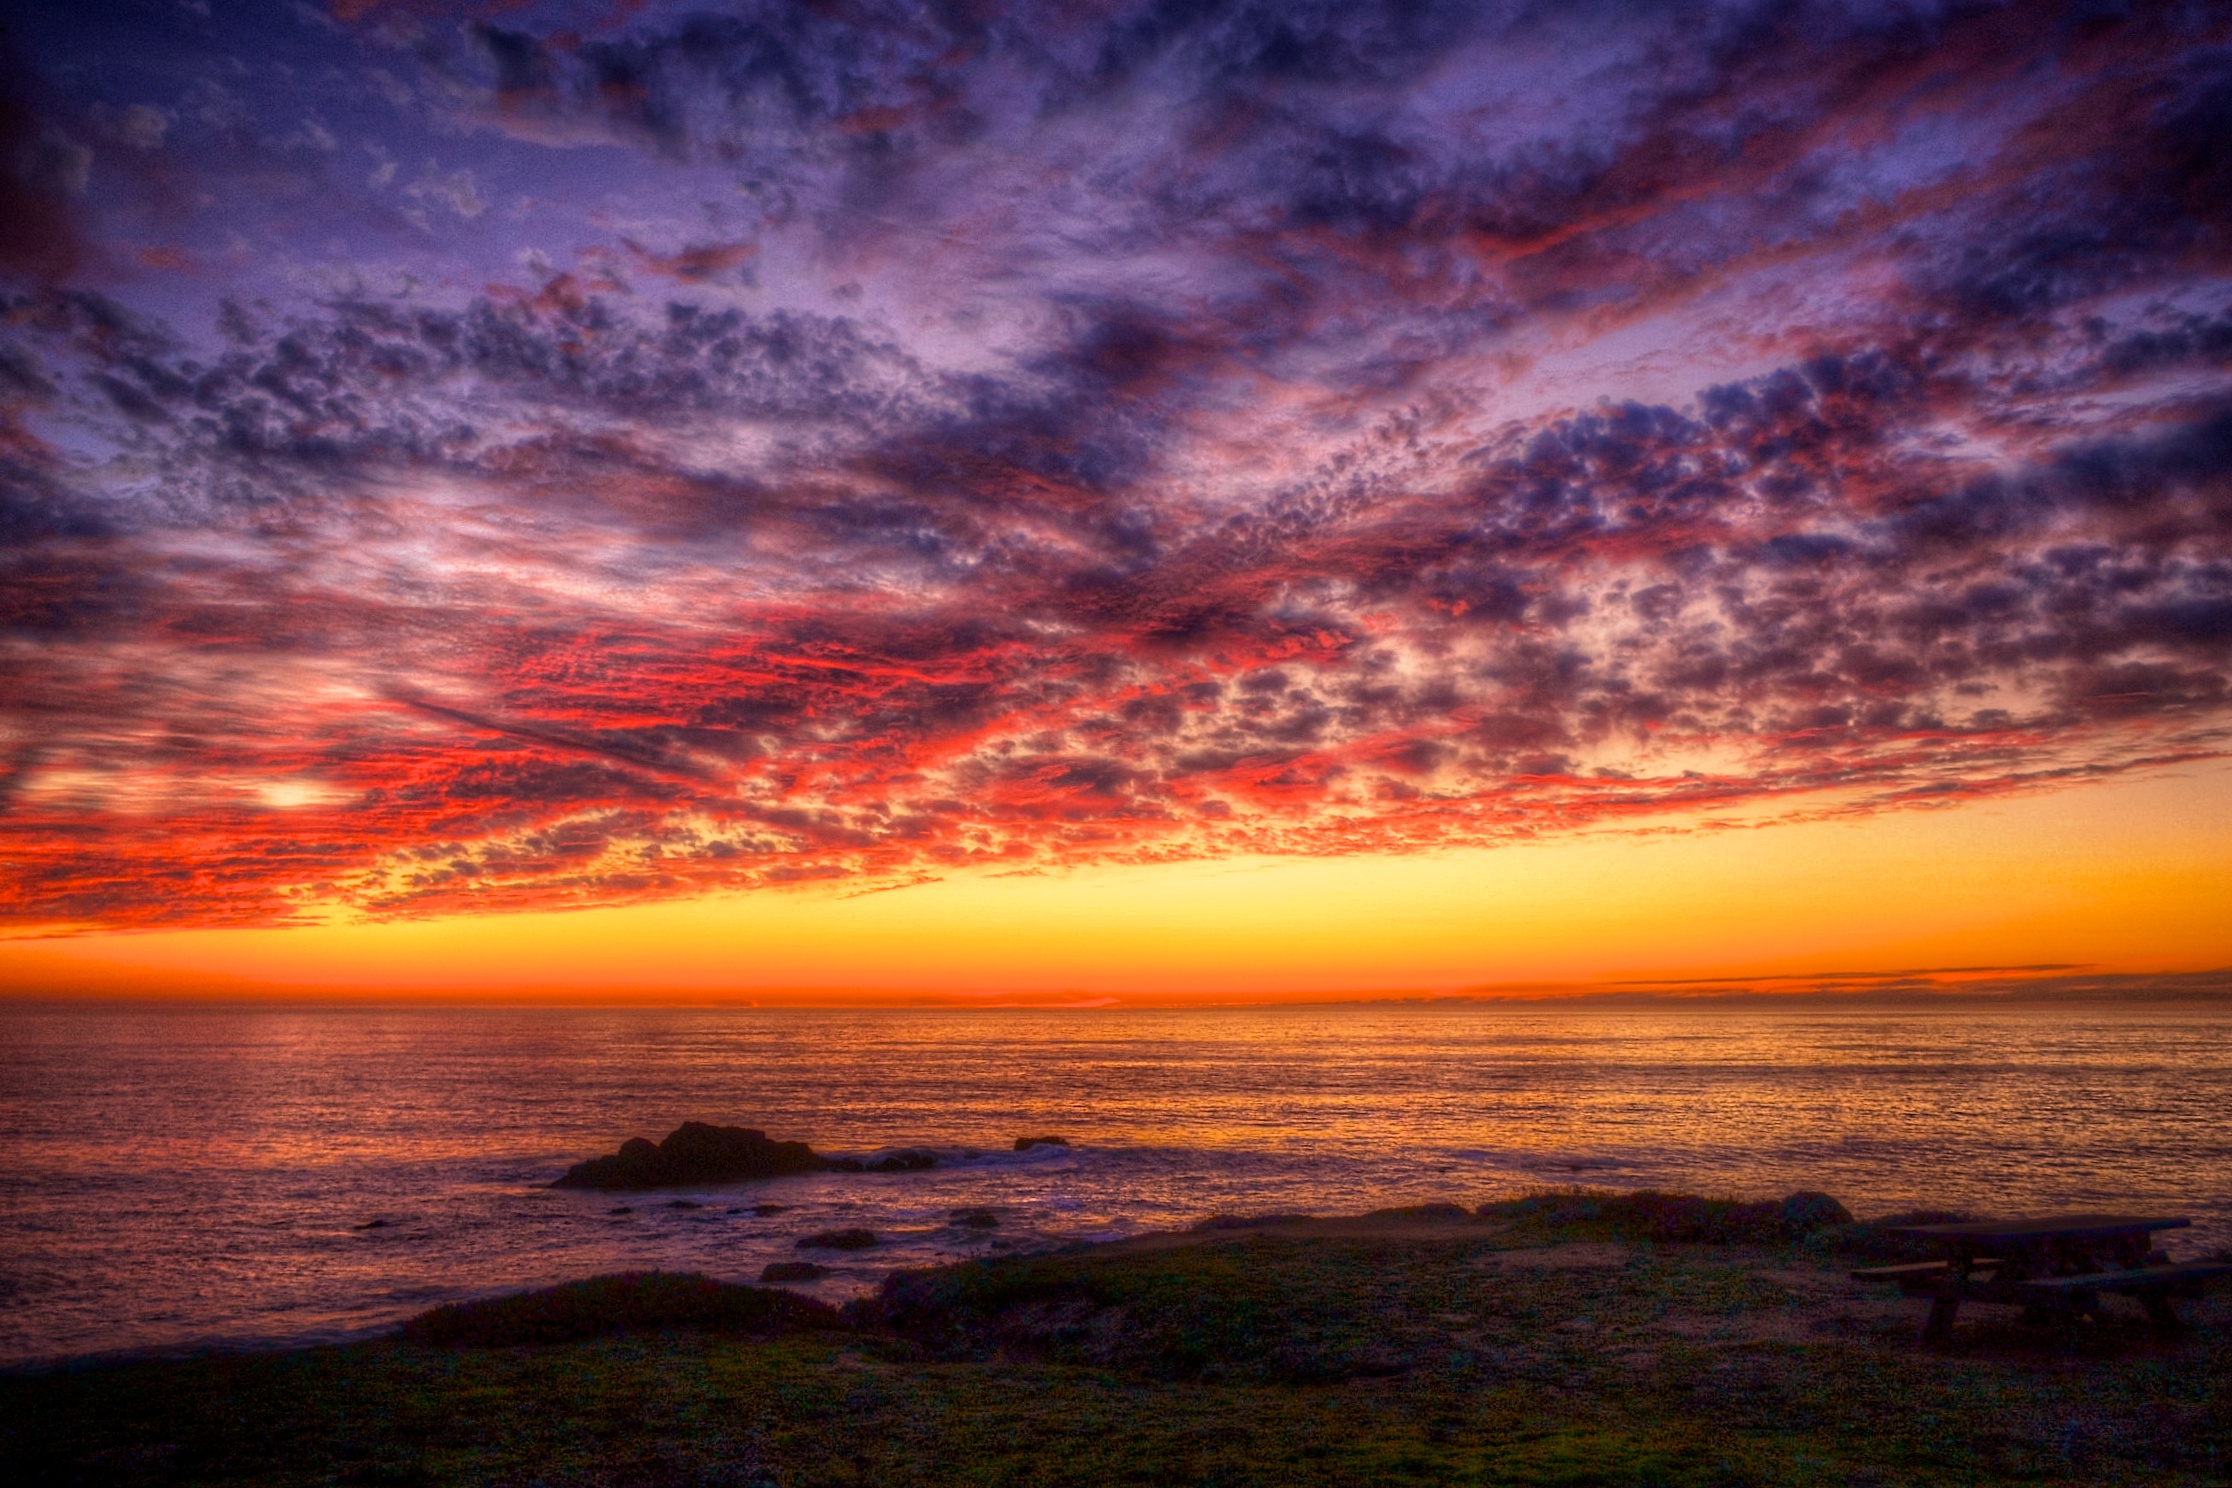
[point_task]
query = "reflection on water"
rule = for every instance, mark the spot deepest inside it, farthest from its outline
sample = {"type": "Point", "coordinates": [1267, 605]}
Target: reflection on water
{"type": "Point", "coordinates": [183, 1175]}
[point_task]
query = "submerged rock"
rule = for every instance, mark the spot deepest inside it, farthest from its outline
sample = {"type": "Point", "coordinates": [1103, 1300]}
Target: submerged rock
{"type": "Point", "coordinates": [976, 1219]}
{"type": "Point", "coordinates": [694, 1152]}
{"type": "Point", "coordinates": [905, 1160]}
{"type": "Point", "coordinates": [793, 1271]}
{"type": "Point", "coordinates": [1248, 1221]}
{"type": "Point", "coordinates": [1025, 1144]}
{"type": "Point", "coordinates": [839, 1240]}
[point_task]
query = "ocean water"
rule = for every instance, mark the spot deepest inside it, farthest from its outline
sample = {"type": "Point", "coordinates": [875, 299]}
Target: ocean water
{"type": "Point", "coordinates": [179, 1177]}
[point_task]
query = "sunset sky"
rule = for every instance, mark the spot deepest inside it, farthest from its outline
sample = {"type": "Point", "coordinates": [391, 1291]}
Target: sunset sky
{"type": "Point", "coordinates": [1100, 498]}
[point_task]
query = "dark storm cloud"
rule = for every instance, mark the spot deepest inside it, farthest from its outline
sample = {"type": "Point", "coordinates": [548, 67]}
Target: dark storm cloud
{"type": "Point", "coordinates": [1170, 431]}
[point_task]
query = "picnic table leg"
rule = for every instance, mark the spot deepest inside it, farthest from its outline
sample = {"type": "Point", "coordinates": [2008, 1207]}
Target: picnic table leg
{"type": "Point", "coordinates": [1943, 1309]}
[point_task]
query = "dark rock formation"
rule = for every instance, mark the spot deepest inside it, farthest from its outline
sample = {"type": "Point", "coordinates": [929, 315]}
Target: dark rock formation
{"type": "Point", "coordinates": [793, 1271]}
{"type": "Point", "coordinates": [839, 1240]}
{"type": "Point", "coordinates": [976, 1219]}
{"type": "Point", "coordinates": [694, 1153]}
{"type": "Point", "coordinates": [1025, 1144]}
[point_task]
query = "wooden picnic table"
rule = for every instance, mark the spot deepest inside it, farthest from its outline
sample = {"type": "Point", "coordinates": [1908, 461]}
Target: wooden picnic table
{"type": "Point", "coordinates": [2054, 1267]}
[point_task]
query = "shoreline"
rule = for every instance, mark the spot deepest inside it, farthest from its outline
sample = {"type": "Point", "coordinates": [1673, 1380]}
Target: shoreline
{"type": "Point", "coordinates": [1428, 1221]}
{"type": "Point", "coordinates": [1558, 1340]}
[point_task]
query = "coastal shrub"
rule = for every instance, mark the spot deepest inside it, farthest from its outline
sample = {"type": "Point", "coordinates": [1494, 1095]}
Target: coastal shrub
{"type": "Point", "coordinates": [1873, 1241]}
{"type": "Point", "coordinates": [1247, 1221]}
{"type": "Point", "coordinates": [1674, 1218]}
{"type": "Point", "coordinates": [1421, 1211]}
{"type": "Point", "coordinates": [620, 1303]}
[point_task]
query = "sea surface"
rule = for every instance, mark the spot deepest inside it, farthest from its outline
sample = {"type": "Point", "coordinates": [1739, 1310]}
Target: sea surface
{"type": "Point", "coordinates": [177, 1177]}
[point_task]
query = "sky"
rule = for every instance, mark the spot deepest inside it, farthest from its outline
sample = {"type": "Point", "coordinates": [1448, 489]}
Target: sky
{"type": "Point", "coordinates": [633, 498]}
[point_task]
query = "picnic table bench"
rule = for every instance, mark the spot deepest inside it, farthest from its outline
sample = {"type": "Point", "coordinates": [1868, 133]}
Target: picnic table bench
{"type": "Point", "coordinates": [2055, 1268]}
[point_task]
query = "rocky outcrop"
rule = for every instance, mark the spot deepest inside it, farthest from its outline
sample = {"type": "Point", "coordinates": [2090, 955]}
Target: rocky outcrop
{"type": "Point", "coordinates": [694, 1152]}
{"type": "Point", "coordinates": [625, 1303]}
{"type": "Point", "coordinates": [1025, 1144]}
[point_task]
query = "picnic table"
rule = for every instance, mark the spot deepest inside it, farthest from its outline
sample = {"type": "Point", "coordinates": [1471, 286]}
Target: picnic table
{"type": "Point", "coordinates": [2055, 1268]}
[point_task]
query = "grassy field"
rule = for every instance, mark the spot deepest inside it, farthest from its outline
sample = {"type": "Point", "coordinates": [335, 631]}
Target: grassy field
{"type": "Point", "coordinates": [1522, 1347]}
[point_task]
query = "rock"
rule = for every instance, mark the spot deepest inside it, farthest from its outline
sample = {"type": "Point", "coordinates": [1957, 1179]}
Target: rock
{"type": "Point", "coordinates": [629, 1302]}
{"type": "Point", "coordinates": [372, 1224]}
{"type": "Point", "coordinates": [905, 1160]}
{"type": "Point", "coordinates": [694, 1152]}
{"type": "Point", "coordinates": [1806, 1211]}
{"type": "Point", "coordinates": [976, 1219]}
{"type": "Point", "coordinates": [620, 1209]}
{"type": "Point", "coordinates": [839, 1240]}
{"type": "Point", "coordinates": [1025, 1144]}
{"type": "Point", "coordinates": [793, 1271]}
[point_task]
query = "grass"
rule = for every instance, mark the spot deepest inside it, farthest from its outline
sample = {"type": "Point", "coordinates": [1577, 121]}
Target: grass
{"type": "Point", "coordinates": [1542, 1347]}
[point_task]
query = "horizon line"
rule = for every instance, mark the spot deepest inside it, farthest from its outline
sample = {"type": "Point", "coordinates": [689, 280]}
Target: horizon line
{"type": "Point", "coordinates": [2043, 982]}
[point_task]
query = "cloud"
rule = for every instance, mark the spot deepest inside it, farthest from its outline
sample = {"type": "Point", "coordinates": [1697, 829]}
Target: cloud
{"type": "Point", "coordinates": [1169, 433]}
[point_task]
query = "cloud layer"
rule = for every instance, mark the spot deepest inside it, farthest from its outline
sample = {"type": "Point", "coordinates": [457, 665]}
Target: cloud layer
{"type": "Point", "coordinates": [569, 458]}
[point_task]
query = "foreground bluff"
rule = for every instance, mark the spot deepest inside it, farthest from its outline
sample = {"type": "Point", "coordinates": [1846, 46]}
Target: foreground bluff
{"type": "Point", "coordinates": [695, 1152]}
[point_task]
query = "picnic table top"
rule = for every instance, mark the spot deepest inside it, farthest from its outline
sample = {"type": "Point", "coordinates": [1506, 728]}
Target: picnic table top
{"type": "Point", "coordinates": [2046, 1227]}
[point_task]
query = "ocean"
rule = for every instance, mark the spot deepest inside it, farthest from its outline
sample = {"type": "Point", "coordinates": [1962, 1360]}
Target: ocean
{"type": "Point", "coordinates": [187, 1176]}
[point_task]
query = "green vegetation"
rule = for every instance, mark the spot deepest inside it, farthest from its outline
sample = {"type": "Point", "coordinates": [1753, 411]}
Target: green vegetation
{"type": "Point", "coordinates": [1555, 1344]}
